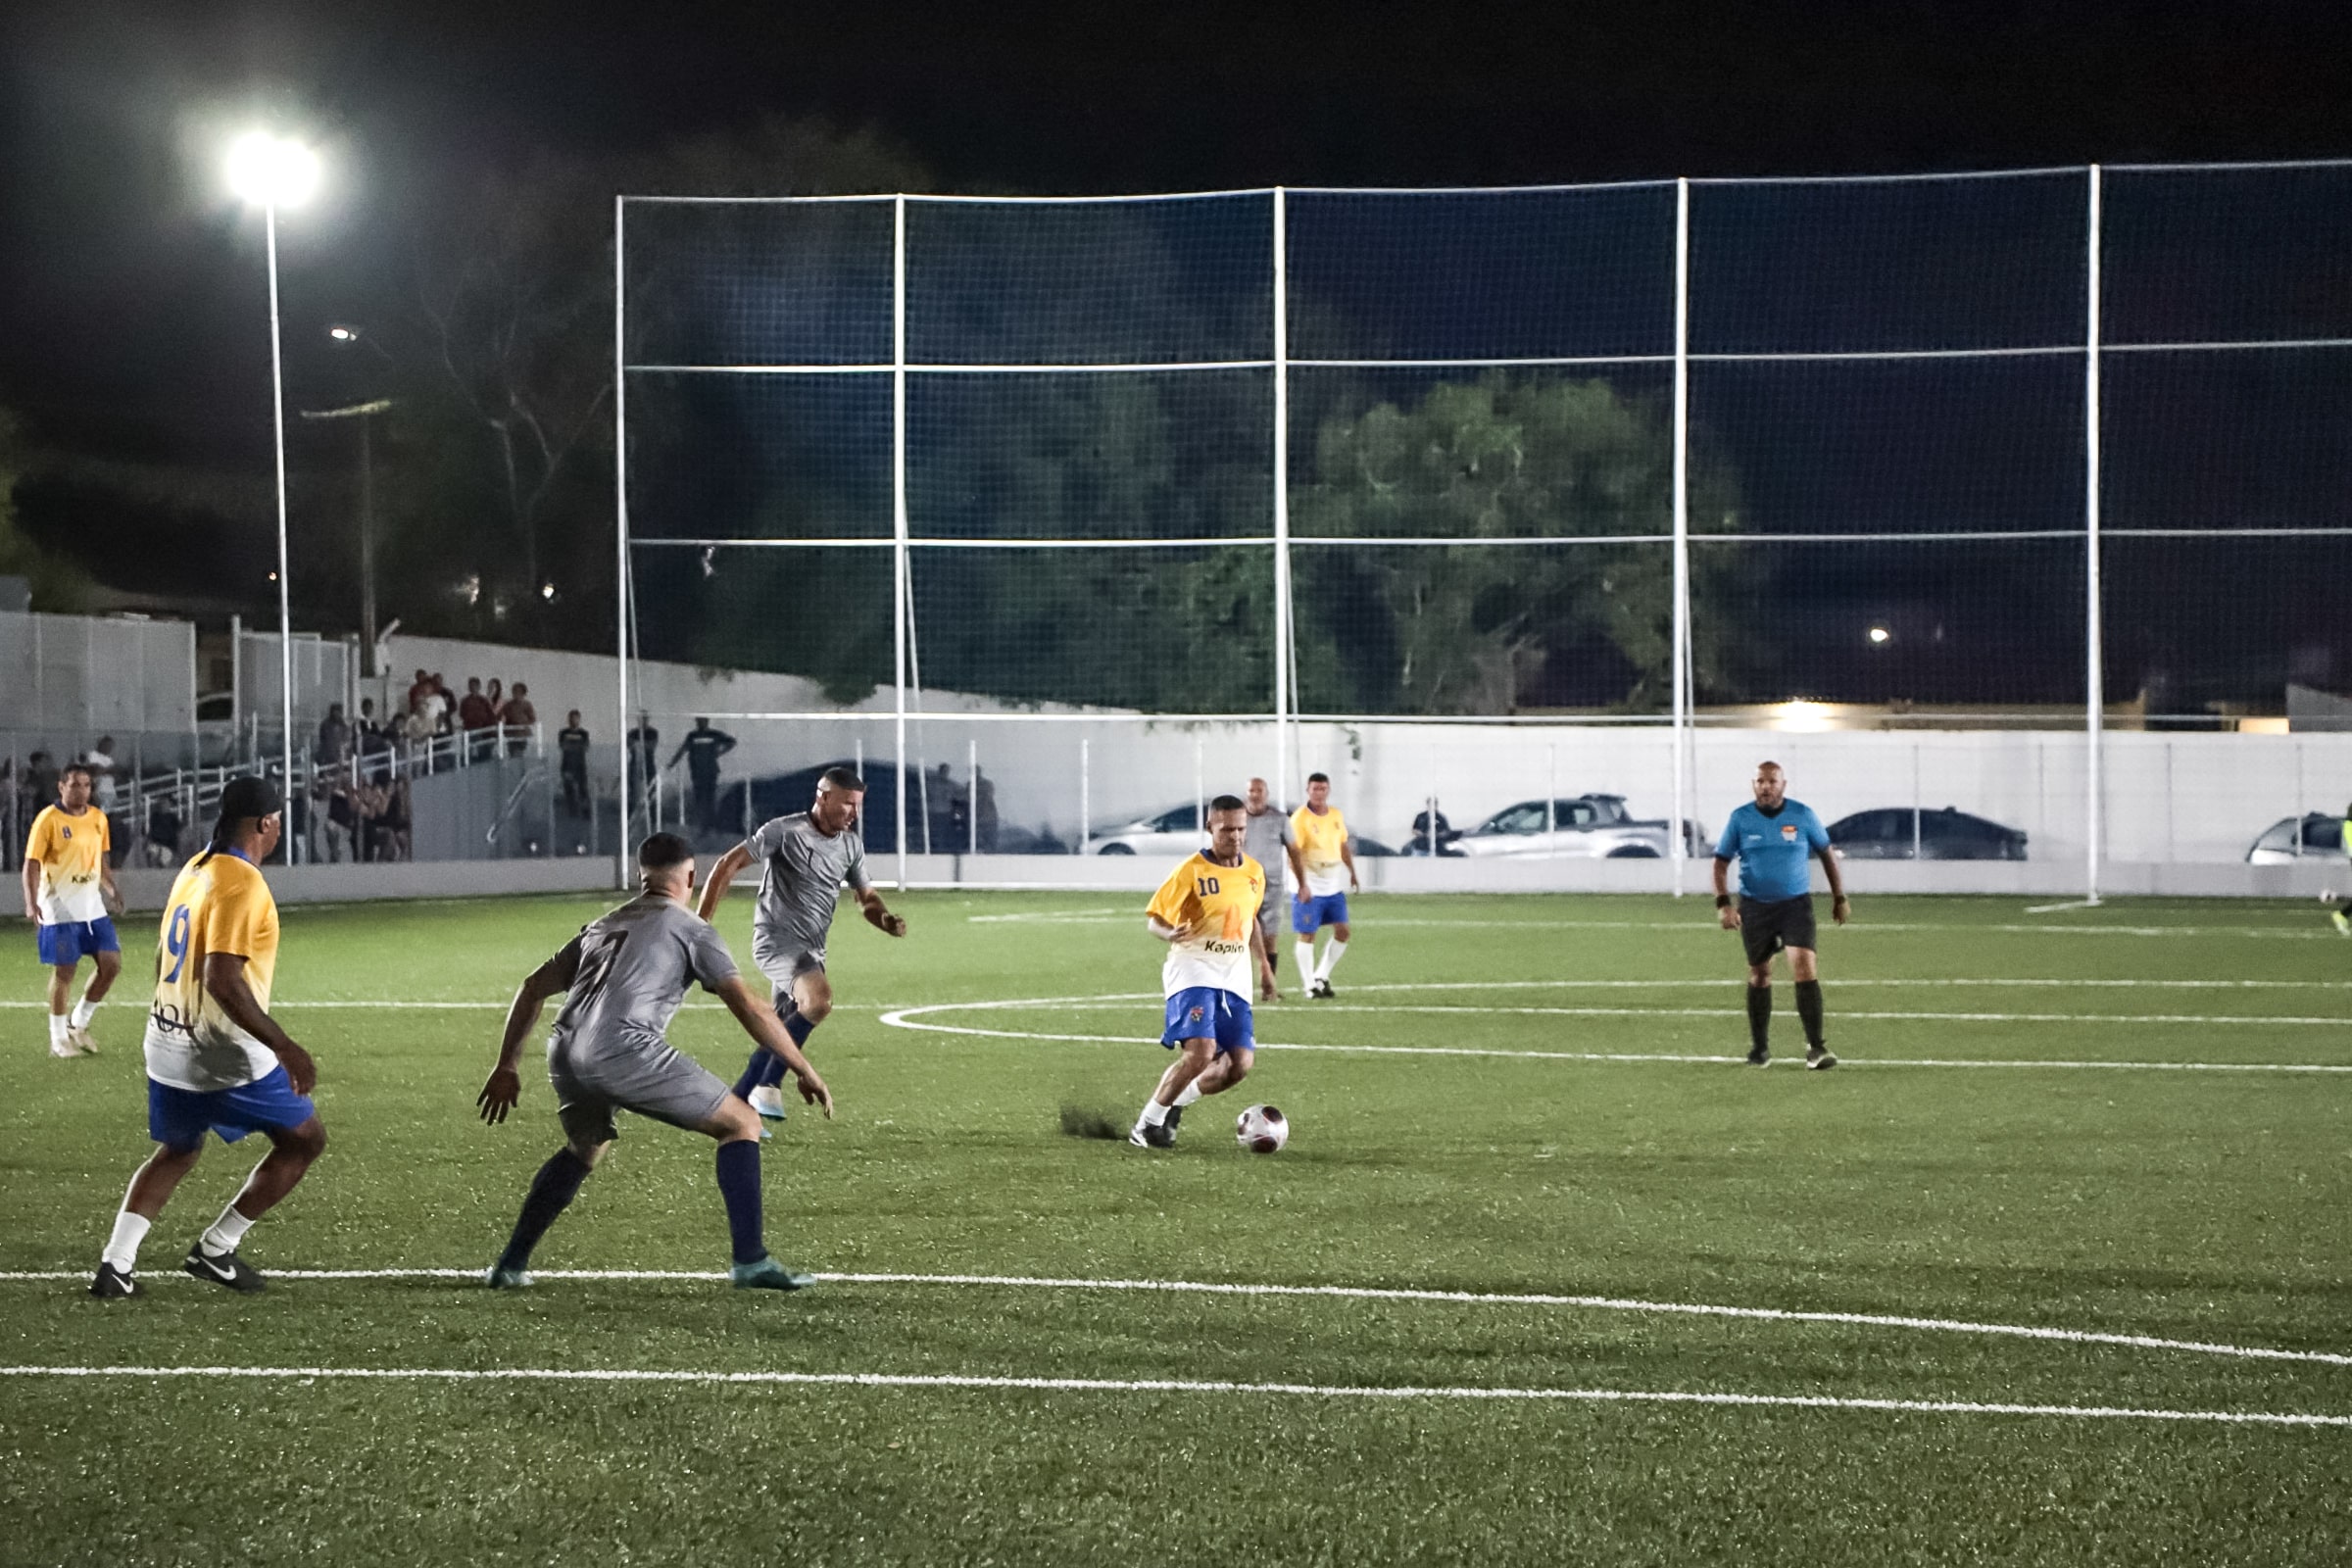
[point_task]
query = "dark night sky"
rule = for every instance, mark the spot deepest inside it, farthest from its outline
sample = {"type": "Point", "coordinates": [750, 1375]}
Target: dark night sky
{"type": "Point", "coordinates": [129, 294]}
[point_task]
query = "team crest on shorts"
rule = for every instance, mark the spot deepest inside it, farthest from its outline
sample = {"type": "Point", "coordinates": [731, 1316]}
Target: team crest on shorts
{"type": "Point", "coordinates": [1197, 1012]}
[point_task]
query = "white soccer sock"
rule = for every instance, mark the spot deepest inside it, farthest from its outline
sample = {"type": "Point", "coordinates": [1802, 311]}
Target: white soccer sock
{"type": "Point", "coordinates": [1154, 1113]}
{"type": "Point", "coordinates": [1332, 952]}
{"type": "Point", "coordinates": [57, 1028]}
{"type": "Point", "coordinates": [1306, 961]}
{"type": "Point", "coordinates": [227, 1232]}
{"type": "Point", "coordinates": [123, 1247]}
{"type": "Point", "coordinates": [1188, 1094]}
{"type": "Point", "coordinates": [83, 1012]}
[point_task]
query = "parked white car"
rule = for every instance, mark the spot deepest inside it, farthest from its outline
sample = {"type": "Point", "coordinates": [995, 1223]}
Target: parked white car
{"type": "Point", "coordinates": [1579, 827]}
{"type": "Point", "coordinates": [1175, 831]}
{"type": "Point", "coordinates": [2294, 840]}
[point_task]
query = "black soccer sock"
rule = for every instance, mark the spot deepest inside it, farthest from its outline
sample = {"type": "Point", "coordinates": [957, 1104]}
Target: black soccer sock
{"type": "Point", "coordinates": [1759, 1015]}
{"type": "Point", "coordinates": [1808, 1010]}
{"type": "Point", "coordinates": [552, 1192]}
{"type": "Point", "coordinates": [767, 1068]}
{"type": "Point", "coordinates": [739, 1185]}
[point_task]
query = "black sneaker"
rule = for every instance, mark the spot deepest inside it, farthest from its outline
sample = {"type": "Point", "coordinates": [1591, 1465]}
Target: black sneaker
{"type": "Point", "coordinates": [1147, 1135]}
{"type": "Point", "coordinates": [1323, 991]}
{"type": "Point", "coordinates": [1817, 1057]}
{"type": "Point", "coordinates": [226, 1270]}
{"type": "Point", "coordinates": [1757, 1057]}
{"type": "Point", "coordinates": [1175, 1115]}
{"type": "Point", "coordinates": [113, 1284]}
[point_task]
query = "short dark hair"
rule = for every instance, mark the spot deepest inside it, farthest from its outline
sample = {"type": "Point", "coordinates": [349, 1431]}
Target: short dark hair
{"type": "Point", "coordinates": [1228, 803]}
{"type": "Point", "coordinates": [663, 851]}
{"type": "Point", "coordinates": [83, 768]}
{"type": "Point", "coordinates": [1318, 778]}
{"type": "Point", "coordinates": [840, 778]}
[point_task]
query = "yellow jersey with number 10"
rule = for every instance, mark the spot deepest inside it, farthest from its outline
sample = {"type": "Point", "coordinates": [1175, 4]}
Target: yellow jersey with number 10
{"type": "Point", "coordinates": [219, 907]}
{"type": "Point", "coordinates": [1319, 839]}
{"type": "Point", "coordinates": [1215, 907]}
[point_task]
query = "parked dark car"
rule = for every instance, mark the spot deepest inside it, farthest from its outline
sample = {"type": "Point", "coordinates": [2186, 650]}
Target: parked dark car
{"type": "Point", "coordinates": [1905, 833]}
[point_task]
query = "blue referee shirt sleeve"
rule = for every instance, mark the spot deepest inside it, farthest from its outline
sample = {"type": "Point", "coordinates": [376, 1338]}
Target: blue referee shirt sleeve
{"type": "Point", "coordinates": [1815, 834]}
{"type": "Point", "coordinates": [1727, 843]}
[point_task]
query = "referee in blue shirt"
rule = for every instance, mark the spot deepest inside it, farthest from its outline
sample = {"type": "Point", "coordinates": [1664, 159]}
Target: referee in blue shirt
{"type": "Point", "coordinates": [1775, 839]}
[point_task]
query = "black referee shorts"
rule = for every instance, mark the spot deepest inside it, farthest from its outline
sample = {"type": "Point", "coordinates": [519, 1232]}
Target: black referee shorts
{"type": "Point", "coordinates": [1767, 928]}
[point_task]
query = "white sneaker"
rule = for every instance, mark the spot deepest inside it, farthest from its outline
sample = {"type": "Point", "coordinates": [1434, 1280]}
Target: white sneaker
{"type": "Point", "coordinates": [769, 1100]}
{"type": "Point", "coordinates": [82, 1041]}
{"type": "Point", "coordinates": [64, 1048]}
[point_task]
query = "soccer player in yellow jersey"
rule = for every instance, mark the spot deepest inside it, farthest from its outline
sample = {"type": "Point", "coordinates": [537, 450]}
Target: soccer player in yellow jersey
{"type": "Point", "coordinates": [1325, 863]}
{"type": "Point", "coordinates": [69, 894]}
{"type": "Point", "coordinates": [1206, 912]}
{"type": "Point", "coordinates": [216, 1061]}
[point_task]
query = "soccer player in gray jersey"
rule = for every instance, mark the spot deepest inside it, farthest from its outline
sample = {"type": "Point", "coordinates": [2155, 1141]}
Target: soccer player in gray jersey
{"type": "Point", "coordinates": [1266, 838]}
{"type": "Point", "coordinates": [626, 973]}
{"type": "Point", "coordinates": [805, 857]}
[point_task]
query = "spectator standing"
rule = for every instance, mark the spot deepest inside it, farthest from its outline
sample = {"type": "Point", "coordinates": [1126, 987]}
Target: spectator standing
{"type": "Point", "coordinates": [701, 749]}
{"type": "Point", "coordinates": [644, 760]}
{"type": "Point", "coordinates": [517, 715]}
{"type": "Point", "coordinates": [102, 766]}
{"type": "Point", "coordinates": [571, 749]}
{"type": "Point", "coordinates": [334, 737]}
{"type": "Point", "coordinates": [476, 714]}
{"type": "Point", "coordinates": [439, 708]}
{"type": "Point", "coordinates": [164, 827]}
{"type": "Point", "coordinates": [418, 690]}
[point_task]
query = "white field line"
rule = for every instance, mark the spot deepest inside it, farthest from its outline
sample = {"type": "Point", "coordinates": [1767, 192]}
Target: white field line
{"type": "Point", "coordinates": [1354, 1293]}
{"type": "Point", "coordinates": [1709, 927]}
{"type": "Point", "coordinates": [1084, 1005]}
{"type": "Point", "coordinates": [904, 1380]}
{"type": "Point", "coordinates": [909, 1018]}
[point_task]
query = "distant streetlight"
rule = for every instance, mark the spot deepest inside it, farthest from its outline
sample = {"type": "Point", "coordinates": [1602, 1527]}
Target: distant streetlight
{"type": "Point", "coordinates": [1880, 636]}
{"type": "Point", "coordinates": [273, 172]}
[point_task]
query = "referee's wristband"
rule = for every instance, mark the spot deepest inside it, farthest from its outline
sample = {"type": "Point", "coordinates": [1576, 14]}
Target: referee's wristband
{"type": "Point", "coordinates": [1723, 901]}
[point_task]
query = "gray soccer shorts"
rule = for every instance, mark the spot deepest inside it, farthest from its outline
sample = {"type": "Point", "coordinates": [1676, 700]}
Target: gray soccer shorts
{"type": "Point", "coordinates": [659, 1082]}
{"type": "Point", "coordinates": [783, 968]}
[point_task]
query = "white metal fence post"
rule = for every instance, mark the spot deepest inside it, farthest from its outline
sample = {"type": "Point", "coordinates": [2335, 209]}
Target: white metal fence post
{"type": "Point", "coordinates": [1284, 695]}
{"type": "Point", "coordinates": [1676, 852]}
{"type": "Point", "coordinates": [2093, 653]}
{"type": "Point", "coordinates": [621, 530]}
{"type": "Point", "coordinates": [897, 511]}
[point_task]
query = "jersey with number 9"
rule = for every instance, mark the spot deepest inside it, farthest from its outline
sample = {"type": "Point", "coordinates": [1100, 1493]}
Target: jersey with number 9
{"type": "Point", "coordinates": [221, 907]}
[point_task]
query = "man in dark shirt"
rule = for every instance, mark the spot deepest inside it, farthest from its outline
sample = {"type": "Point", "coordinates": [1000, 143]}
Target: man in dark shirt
{"type": "Point", "coordinates": [702, 748]}
{"type": "Point", "coordinates": [571, 748]}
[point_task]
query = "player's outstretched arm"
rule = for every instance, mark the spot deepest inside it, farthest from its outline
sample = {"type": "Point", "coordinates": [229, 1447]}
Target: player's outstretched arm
{"type": "Point", "coordinates": [224, 982]}
{"type": "Point", "coordinates": [1726, 915]}
{"type": "Point", "coordinates": [32, 889]}
{"type": "Point", "coordinates": [878, 915]}
{"type": "Point", "coordinates": [505, 1085]}
{"type": "Point", "coordinates": [715, 886]}
{"type": "Point", "coordinates": [760, 1021]}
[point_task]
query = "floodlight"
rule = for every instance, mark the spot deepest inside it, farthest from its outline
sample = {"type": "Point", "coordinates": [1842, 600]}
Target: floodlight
{"type": "Point", "coordinates": [272, 171]}
{"type": "Point", "coordinates": [1880, 636]}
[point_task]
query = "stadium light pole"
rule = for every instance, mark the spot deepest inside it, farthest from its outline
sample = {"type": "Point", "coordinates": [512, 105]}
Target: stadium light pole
{"type": "Point", "coordinates": [273, 172]}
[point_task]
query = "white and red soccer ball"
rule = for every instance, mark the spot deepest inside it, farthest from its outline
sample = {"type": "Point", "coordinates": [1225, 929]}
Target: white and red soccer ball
{"type": "Point", "coordinates": [1261, 1129]}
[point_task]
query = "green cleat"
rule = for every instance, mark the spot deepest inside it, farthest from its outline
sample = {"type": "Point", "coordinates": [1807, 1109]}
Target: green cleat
{"type": "Point", "coordinates": [2342, 921]}
{"type": "Point", "coordinates": [768, 1275]}
{"type": "Point", "coordinates": [503, 1277]}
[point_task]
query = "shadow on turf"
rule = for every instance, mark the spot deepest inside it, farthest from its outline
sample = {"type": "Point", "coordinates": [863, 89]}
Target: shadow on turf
{"type": "Point", "coordinates": [1079, 1122]}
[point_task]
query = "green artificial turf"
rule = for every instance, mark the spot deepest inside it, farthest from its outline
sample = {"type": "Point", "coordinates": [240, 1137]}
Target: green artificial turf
{"type": "Point", "coordinates": [2132, 1199]}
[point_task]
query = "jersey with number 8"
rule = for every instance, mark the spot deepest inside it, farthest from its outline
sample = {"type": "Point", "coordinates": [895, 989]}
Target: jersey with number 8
{"type": "Point", "coordinates": [221, 905]}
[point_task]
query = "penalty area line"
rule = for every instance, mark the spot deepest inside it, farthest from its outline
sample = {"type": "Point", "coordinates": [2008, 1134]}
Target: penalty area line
{"type": "Point", "coordinates": [1364, 1292]}
{"type": "Point", "coordinates": [1320, 1391]}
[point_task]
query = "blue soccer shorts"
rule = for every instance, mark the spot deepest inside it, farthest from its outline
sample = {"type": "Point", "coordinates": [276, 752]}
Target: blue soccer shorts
{"type": "Point", "coordinates": [72, 941]}
{"type": "Point", "coordinates": [1309, 916]}
{"type": "Point", "coordinates": [1209, 1012]}
{"type": "Point", "coordinates": [178, 1118]}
